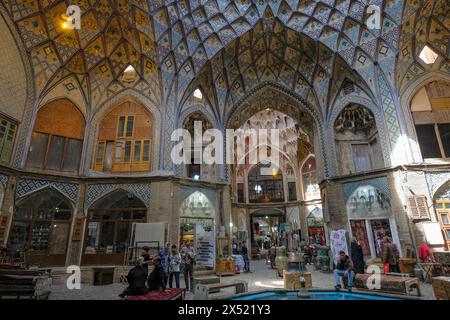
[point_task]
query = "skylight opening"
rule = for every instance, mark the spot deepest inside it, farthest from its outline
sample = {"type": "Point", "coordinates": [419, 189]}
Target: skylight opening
{"type": "Point", "coordinates": [129, 75]}
{"type": "Point", "coordinates": [130, 69]}
{"type": "Point", "coordinates": [198, 94]}
{"type": "Point", "coordinates": [427, 55]}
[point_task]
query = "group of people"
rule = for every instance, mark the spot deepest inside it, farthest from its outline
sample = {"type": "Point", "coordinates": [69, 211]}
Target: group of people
{"type": "Point", "coordinates": [348, 268]}
{"type": "Point", "coordinates": [168, 265]}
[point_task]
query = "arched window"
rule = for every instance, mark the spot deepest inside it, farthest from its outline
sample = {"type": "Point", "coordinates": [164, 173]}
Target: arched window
{"type": "Point", "coordinates": [195, 169]}
{"type": "Point", "coordinates": [124, 140]}
{"type": "Point", "coordinates": [309, 182]}
{"type": "Point", "coordinates": [109, 227]}
{"type": "Point", "coordinates": [430, 109]}
{"type": "Point", "coordinates": [357, 140]}
{"type": "Point", "coordinates": [57, 139]}
{"type": "Point", "coordinates": [265, 184]}
{"type": "Point", "coordinates": [40, 228]}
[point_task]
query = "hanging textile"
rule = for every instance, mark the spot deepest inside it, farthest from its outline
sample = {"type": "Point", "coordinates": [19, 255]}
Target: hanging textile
{"type": "Point", "coordinates": [338, 243]}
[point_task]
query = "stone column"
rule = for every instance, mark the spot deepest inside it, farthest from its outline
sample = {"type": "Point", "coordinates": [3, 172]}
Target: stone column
{"type": "Point", "coordinates": [8, 205]}
{"type": "Point", "coordinates": [164, 207]}
{"type": "Point", "coordinates": [75, 244]}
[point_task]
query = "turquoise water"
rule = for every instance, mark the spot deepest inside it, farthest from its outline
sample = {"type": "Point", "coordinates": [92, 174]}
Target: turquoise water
{"type": "Point", "coordinates": [314, 295]}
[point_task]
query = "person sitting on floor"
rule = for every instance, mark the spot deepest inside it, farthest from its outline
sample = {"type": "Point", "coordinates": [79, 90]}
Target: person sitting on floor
{"type": "Point", "coordinates": [136, 280]}
{"type": "Point", "coordinates": [344, 268]}
{"type": "Point", "coordinates": [156, 279]}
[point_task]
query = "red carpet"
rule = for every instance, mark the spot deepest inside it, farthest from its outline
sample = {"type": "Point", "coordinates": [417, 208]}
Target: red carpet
{"type": "Point", "coordinates": [168, 294]}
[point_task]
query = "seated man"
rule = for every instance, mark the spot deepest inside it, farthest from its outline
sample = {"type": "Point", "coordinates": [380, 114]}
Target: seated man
{"type": "Point", "coordinates": [136, 280]}
{"type": "Point", "coordinates": [156, 279]}
{"type": "Point", "coordinates": [344, 268]}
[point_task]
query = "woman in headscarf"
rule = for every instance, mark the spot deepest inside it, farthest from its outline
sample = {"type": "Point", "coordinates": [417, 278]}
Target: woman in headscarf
{"type": "Point", "coordinates": [357, 256]}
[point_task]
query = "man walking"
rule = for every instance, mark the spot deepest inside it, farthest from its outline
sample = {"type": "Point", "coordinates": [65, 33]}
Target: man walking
{"type": "Point", "coordinates": [187, 262]}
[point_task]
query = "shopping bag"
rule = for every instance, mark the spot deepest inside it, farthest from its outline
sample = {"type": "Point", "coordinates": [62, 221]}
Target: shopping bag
{"type": "Point", "coordinates": [386, 267]}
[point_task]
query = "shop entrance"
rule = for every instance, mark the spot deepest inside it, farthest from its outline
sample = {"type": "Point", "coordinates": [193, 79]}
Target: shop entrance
{"type": "Point", "coordinates": [197, 228]}
{"type": "Point", "coordinates": [268, 227]}
{"type": "Point", "coordinates": [371, 219]}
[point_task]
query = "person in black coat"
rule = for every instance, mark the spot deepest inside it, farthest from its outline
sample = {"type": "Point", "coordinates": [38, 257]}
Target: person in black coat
{"type": "Point", "coordinates": [357, 256]}
{"type": "Point", "coordinates": [156, 279]}
{"type": "Point", "coordinates": [136, 280]}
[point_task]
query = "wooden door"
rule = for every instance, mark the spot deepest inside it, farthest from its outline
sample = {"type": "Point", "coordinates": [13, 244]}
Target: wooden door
{"type": "Point", "coordinates": [444, 220]}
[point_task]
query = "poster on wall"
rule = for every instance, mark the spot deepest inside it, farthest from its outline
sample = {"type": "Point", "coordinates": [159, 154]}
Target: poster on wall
{"type": "Point", "coordinates": [204, 246]}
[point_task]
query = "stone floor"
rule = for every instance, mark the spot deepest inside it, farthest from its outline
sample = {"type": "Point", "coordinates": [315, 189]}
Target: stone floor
{"type": "Point", "coordinates": [262, 277]}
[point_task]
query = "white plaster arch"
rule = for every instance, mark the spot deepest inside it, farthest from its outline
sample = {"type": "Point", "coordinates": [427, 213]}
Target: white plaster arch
{"type": "Point", "coordinates": [406, 96]}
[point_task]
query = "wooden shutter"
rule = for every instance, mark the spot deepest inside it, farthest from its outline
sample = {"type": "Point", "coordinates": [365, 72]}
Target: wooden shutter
{"type": "Point", "coordinates": [7, 135]}
{"type": "Point", "coordinates": [418, 207]}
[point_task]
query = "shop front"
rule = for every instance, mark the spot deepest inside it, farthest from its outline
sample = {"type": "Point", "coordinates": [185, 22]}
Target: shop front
{"type": "Point", "coordinates": [108, 228]}
{"type": "Point", "coordinates": [197, 227]}
{"type": "Point", "coordinates": [371, 219]}
{"type": "Point", "coordinates": [316, 227]}
{"type": "Point", "coordinates": [40, 229]}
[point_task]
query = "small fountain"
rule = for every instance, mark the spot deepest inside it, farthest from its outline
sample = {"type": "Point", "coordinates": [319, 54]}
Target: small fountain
{"type": "Point", "coordinates": [303, 291]}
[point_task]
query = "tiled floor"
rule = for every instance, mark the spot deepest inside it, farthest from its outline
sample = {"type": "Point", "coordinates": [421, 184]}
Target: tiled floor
{"type": "Point", "coordinates": [261, 277]}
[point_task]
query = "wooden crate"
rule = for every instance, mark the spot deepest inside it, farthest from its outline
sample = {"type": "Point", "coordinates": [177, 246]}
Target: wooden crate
{"type": "Point", "coordinates": [441, 287]}
{"type": "Point", "coordinates": [225, 267]}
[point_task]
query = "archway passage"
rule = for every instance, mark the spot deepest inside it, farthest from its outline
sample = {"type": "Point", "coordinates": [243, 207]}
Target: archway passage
{"type": "Point", "coordinates": [279, 134]}
{"type": "Point", "coordinates": [40, 229]}
{"type": "Point", "coordinates": [109, 228]}
{"type": "Point", "coordinates": [197, 227]}
{"type": "Point", "coordinates": [267, 228]}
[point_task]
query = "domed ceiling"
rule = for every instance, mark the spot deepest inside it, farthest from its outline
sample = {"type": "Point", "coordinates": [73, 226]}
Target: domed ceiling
{"type": "Point", "coordinates": [113, 35]}
{"type": "Point", "coordinates": [176, 45]}
{"type": "Point", "coordinates": [425, 22]}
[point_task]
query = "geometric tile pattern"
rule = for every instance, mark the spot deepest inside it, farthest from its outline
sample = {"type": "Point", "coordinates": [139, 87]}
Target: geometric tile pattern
{"type": "Point", "coordinates": [4, 180]}
{"type": "Point", "coordinates": [390, 111]}
{"type": "Point", "coordinates": [380, 183]}
{"type": "Point", "coordinates": [113, 35]}
{"type": "Point", "coordinates": [27, 186]}
{"type": "Point", "coordinates": [180, 37]}
{"type": "Point", "coordinates": [436, 180]}
{"type": "Point", "coordinates": [96, 191]}
{"type": "Point", "coordinates": [425, 22]}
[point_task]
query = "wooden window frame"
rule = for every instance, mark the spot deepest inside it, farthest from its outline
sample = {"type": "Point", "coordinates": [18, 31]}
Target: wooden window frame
{"type": "Point", "coordinates": [125, 127]}
{"type": "Point", "coordinates": [115, 221]}
{"type": "Point", "coordinates": [370, 154]}
{"type": "Point", "coordinates": [33, 221]}
{"type": "Point", "coordinates": [47, 149]}
{"type": "Point", "coordinates": [438, 139]}
{"type": "Point", "coordinates": [13, 142]}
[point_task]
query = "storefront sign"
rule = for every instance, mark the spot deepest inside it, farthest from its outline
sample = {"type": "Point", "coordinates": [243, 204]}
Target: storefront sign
{"type": "Point", "coordinates": [204, 246]}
